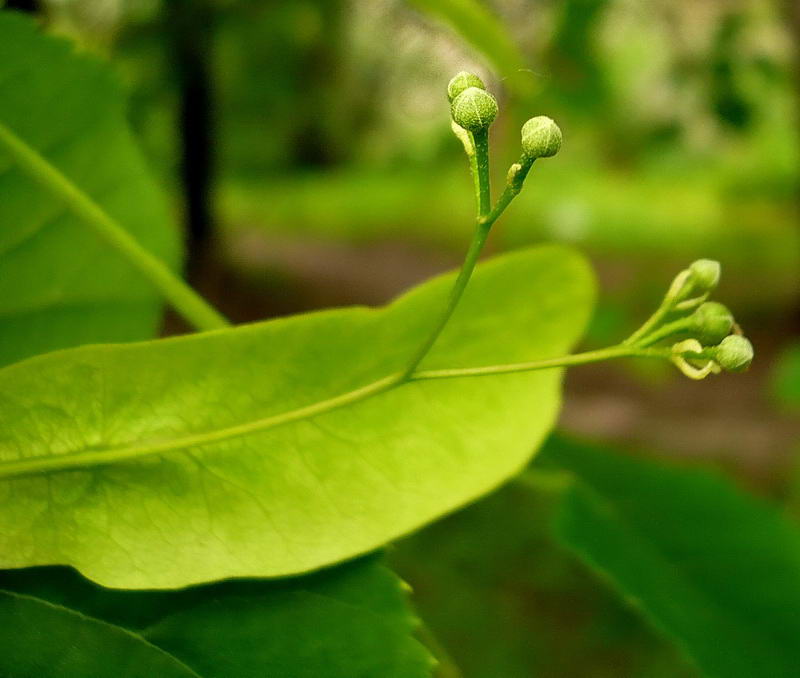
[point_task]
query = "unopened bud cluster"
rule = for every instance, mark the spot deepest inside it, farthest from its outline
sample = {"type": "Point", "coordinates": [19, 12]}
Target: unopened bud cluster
{"type": "Point", "coordinates": [710, 339]}
{"type": "Point", "coordinates": [699, 336]}
{"type": "Point", "coordinates": [474, 109]}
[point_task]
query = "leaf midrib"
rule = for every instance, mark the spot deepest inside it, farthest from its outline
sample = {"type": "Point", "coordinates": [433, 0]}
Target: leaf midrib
{"type": "Point", "coordinates": [89, 458]}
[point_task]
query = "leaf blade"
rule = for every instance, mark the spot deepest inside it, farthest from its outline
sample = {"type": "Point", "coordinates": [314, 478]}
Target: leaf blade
{"type": "Point", "coordinates": [75, 645]}
{"type": "Point", "coordinates": [353, 620]}
{"type": "Point", "coordinates": [713, 569]}
{"type": "Point", "coordinates": [292, 498]}
{"type": "Point", "coordinates": [58, 279]}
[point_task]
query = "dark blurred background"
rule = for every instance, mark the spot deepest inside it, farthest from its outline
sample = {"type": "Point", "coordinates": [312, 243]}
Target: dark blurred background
{"type": "Point", "coordinates": [307, 150]}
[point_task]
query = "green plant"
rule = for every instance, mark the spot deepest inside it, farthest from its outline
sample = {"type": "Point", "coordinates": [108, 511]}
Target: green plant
{"type": "Point", "coordinates": [266, 450]}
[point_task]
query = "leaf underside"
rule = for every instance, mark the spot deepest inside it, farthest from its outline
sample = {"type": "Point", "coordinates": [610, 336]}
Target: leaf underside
{"type": "Point", "coordinates": [291, 498]}
{"type": "Point", "coordinates": [352, 621]}
{"type": "Point", "coordinates": [715, 570]}
{"type": "Point", "coordinates": [61, 286]}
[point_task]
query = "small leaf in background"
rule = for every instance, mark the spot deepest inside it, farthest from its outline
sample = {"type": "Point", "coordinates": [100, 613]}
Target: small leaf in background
{"type": "Point", "coordinates": [166, 466]}
{"type": "Point", "coordinates": [349, 622]}
{"type": "Point", "coordinates": [60, 285]}
{"type": "Point", "coordinates": [479, 27]}
{"type": "Point", "coordinates": [40, 639]}
{"type": "Point", "coordinates": [506, 601]}
{"type": "Point", "coordinates": [786, 379]}
{"type": "Point", "coordinates": [714, 569]}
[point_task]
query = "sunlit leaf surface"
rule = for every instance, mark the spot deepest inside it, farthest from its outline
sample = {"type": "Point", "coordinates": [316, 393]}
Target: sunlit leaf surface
{"type": "Point", "coordinates": [267, 449]}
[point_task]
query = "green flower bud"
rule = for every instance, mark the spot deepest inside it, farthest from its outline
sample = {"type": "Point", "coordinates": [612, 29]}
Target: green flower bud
{"type": "Point", "coordinates": [734, 354]}
{"type": "Point", "coordinates": [712, 322]}
{"type": "Point", "coordinates": [541, 138]}
{"type": "Point", "coordinates": [691, 287]}
{"type": "Point", "coordinates": [704, 275]}
{"type": "Point", "coordinates": [474, 109]}
{"type": "Point", "coordinates": [460, 82]}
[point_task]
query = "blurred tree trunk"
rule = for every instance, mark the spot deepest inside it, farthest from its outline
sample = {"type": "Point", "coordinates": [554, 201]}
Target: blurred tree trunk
{"type": "Point", "coordinates": [31, 6]}
{"type": "Point", "coordinates": [189, 30]}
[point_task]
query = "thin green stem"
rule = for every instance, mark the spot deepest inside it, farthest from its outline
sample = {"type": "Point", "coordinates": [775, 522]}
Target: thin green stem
{"type": "Point", "coordinates": [481, 140]}
{"type": "Point", "coordinates": [651, 323]}
{"type": "Point", "coordinates": [516, 177]}
{"type": "Point", "coordinates": [562, 361]}
{"type": "Point", "coordinates": [183, 298]}
{"type": "Point", "coordinates": [674, 300]}
{"type": "Point", "coordinates": [101, 457]}
{"type": "Point", "coordinates": [479, 162]}
{"type": "Point", "coordinates": [476, 177]}
{"type": "Point", "coordinates": [508, 194]}
{"type": "Point", "coordinates": [667, 330]}
{"type": "Point", "coordinates": [471, 258]}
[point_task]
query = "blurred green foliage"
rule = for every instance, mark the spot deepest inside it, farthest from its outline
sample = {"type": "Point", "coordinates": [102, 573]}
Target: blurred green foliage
{"type": "Point", "coordinates": [694, 560]}
{"type": "Point", "coordinates": [499, 592]}
{"type": "Point", "coordinates": [786, 379]}
{"type": "Point", "coordinates": [716, 571]}
{"type": "Point", "coordinates": [681, 141]}
{"type": "Point", "coordinates": [680, 131]}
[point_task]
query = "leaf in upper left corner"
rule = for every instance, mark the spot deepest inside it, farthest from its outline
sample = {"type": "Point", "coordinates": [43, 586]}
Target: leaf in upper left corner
{"type": "Point", "coordinates": [60, 285]}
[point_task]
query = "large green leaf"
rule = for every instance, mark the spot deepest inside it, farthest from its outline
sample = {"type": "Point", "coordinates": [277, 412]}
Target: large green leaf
{"type": "Point", "coordinates": [60, 285]}
{"type": "Point", "coordinates": [350, 622]}
{"type": "Point", "coordinates": [279, 447]}
{"type": "Point", "coordinates": [714, 569]}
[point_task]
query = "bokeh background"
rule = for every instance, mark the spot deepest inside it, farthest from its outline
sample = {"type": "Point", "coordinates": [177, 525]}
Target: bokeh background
{"type": "Point", "coordinates": [305, 145]}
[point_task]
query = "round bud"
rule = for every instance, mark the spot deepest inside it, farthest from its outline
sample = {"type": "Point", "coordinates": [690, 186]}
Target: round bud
{"type": "Point", "coordinates": [474, 109]}
{"type": "Point", "coordinates": [704, 275]}
{"type": "Point", "coordinates": [734, 354]}
{"type": "Point", "coordinates": [712, 323]}
{"type": "Point", "coordinates": [541, 138]}
{"type": "Point", "coordinates": [462, 81]}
